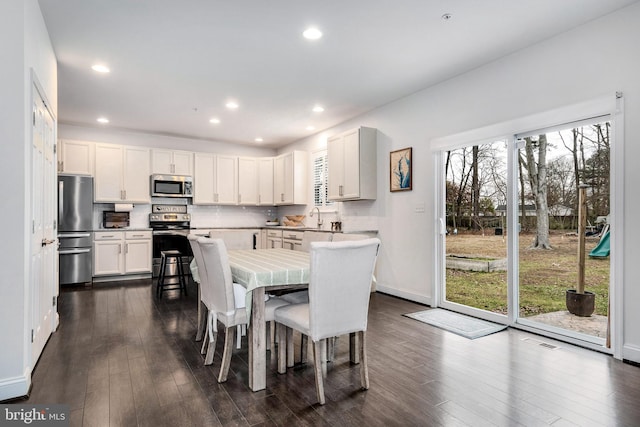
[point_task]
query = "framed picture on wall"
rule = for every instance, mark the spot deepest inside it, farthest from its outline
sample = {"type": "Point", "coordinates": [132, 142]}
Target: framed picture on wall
{"type": "Point", "coordinates": [400, 170]}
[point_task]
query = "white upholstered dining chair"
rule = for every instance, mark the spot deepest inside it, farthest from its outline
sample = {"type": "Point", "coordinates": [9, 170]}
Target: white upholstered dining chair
{"type": "Point", "coordinates": [195, 274]}
{"type": "Point", "coordinates": [339, 290]}
{"type": "Point", "coordinates": [219, 294]}
{"type": "Point", "coordinates": [308, 237]}
{"type": "Point", "coordinates": [239, 291]}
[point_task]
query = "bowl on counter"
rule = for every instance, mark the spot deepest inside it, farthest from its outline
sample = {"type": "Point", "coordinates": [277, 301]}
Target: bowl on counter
{"type": "Point", "coordinates": [272, 223]}
{"type": "Point", "coordinates": [293, 220]}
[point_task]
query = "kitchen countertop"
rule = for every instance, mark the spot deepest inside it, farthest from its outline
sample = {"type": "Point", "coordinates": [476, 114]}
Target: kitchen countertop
{"type": "Point", "coordinates": [123, 229]}
{"type": "Point", "coordinates": [283, 227]}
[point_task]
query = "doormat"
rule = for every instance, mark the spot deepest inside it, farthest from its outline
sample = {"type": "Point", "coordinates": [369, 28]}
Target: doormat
{"type": "Point", "coordinates": [466, 326]}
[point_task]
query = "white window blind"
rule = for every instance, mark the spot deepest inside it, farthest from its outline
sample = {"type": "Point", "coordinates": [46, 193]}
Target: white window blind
{"type": "Point", "coordinates": [320, 174]}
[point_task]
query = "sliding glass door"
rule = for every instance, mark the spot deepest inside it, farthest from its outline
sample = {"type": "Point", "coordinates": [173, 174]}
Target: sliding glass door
{"type": "Point", "coordinates": [525, 230]}
{"type": "Point", "coordinates": [475, 236]}
{"type": "Point", "coordinates": [563, 174]}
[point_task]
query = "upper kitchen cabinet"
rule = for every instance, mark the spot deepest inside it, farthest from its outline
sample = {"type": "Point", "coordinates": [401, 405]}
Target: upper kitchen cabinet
{"type": "Point", "coordinates": [174, 162]}
{"type": "Point", "coordinates": [290, 178]}
{"type": "Point", "coordinates": [122, 174]}
{"type": "Point", "coordinates": [215, 179]}
{"type": "Point", "coordinates": [265, 181]}
{"type": "Point", "coordinates": [76, 157]}
{"type": "Point", "coordinates": [247, 181]}
{"type": "Point", "coordinates": [352, 165]}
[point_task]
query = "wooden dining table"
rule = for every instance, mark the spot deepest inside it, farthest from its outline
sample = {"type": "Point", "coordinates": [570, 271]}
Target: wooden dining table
{"type": "Point", "coordinates": [263, 270]}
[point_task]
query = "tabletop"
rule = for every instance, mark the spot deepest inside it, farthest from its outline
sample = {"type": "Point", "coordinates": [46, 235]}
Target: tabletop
{"type": "Point", "coordinates": [255, 268]}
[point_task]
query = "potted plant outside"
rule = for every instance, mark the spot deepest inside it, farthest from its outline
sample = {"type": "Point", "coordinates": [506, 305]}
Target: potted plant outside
{"type": "Point", "coordinates": [580, 302]}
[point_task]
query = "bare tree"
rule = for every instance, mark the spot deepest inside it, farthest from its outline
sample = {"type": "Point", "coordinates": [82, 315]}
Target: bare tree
{"type": "Point", "coordinates": [537, 171]}
{"type": "Point", "coordinates": [475, 189]}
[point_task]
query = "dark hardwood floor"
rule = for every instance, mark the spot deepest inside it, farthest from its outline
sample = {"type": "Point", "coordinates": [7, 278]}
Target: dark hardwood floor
{"type": "Point", "coordinates": [123, 358]}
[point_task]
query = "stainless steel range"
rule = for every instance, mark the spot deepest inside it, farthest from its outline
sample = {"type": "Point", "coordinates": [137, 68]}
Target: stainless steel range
{"type": "Point", "coordinates": [170, 225]}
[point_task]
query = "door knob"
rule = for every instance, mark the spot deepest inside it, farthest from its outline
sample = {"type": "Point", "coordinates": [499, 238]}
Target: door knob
{"type": "Point", "coordinates": [46, 242]}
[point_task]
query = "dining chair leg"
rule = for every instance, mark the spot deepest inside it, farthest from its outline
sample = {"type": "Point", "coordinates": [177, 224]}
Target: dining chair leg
{"type": "Point", "coordinates": [269, 335]}
{"type": "Point", "coordinates": [304, 344]}
{"type": "Point", "coordinates": [323, 357]}
{"type": "Point", "coordinates": [226, 354]}
{"type": "Point", "coordinates": [318, 349]}
{"type": "Point", "coordinates": [211, 349]}
{"type": "Point", "coordinates": [202, 318]}
{"type": "Point", "coordinates": [290, 355]}
{"type": "Point", "coordinates": [205, 338]}
{"type": "Point", "coordinates": [354, 348]}
{"type": "Point", "coordinates": [364, 369]}
{"type": "Point", "coordinates": [212, 336]}
{"type": "Point", "coordinates": [331, 348]}
{"type": "Point", "coordinates": [282, 348]}
{"type": "Point", "coordinates": [239, 337]}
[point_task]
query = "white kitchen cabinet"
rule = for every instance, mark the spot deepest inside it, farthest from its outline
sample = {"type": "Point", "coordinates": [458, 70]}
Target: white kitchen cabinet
{"type": "Point", "coordinates": [292, 239]}
{"type": "Point", "coordinates": [215, 179]}
{"type": "Point", "coordinates": [174, 162]}
{"type": "Point", "coordinates": [121, 174]}
{"type": "Point", "coordinates": [76, 157]}
{"type": "Point", "coordinates": [265, 181]}
{"type": "Point", "coordinates": [247, 181]}
{"type": "Point", "coordinates": [274, 239]}
{"type": "Point", "coordinates": [108, 259]}
{"type": "Point", "coordinates": [290, 178]}
{"type": "Point", "coordinates": [137, 252]}
{"type": "Point", "coordinates": [122, 252]}
{"type": "Point", "coordinates": [352, 165]}
{"type": "Point", "coordinates": [136, 183]}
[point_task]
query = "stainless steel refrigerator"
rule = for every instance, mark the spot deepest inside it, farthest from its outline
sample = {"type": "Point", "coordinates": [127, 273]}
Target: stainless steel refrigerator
{"type": "Point", "coordinates": [75, 228]}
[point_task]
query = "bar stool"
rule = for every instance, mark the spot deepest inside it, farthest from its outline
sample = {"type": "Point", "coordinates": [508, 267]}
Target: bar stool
{"type": "Point", "coordinates": [162, 286]}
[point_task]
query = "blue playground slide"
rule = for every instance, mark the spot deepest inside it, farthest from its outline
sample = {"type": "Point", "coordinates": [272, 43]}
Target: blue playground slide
{"type": "Point", "coordinates": [602, 250]}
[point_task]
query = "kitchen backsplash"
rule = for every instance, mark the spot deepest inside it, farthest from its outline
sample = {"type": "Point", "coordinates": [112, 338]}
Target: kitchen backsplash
{"type": "Point", "coordinates": [354, 218]}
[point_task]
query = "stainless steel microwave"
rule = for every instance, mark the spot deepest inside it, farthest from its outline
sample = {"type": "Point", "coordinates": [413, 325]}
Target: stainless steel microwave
{"type": "Point", "coordinates": [171, 186]}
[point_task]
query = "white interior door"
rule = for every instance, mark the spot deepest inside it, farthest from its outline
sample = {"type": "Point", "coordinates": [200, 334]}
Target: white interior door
{"type": "Point", "coordinates": [44, 283]}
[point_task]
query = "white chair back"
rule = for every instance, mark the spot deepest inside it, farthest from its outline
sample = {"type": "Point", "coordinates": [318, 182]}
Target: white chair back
{"type": "Point", "coordinates": [234, 239]}
{"type": "Point", "coordinates": [313, 236]}
{"type": "Point", "coordinates": [340, 286]}
{"type": "Point", "coordinates": [219, 297]}
{"type": "Point", "coordinates": [197, 258]}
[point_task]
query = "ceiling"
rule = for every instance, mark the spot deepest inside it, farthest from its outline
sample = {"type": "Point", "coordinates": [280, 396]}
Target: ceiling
{"type": "Point", "coordinates": [175, 64]}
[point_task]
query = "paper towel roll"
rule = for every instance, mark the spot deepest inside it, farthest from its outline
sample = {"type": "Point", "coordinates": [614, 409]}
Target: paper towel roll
{"type": "Point", "coordinates": [123, 207]}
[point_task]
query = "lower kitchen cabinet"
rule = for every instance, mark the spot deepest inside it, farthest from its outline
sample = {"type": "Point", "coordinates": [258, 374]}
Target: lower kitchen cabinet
{"type": "Point", "coordinates": [274, 239]}
{"type": "Point", "coordinates": [292, 240]}
{"type": "Point", "coordinates": [122, 252]}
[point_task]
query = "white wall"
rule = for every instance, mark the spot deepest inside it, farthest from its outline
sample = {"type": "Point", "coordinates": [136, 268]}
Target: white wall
{"type": "Point", "coordinates": [589, 62]}
{"type": "Point", "coordinates": [24, 45]}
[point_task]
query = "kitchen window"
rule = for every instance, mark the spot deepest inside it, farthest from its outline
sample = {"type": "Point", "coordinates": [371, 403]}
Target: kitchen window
{"type": "Point", "coordinates": [320, 177]}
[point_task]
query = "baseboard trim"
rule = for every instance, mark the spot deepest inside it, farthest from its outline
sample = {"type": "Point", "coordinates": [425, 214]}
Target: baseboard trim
{"type": "Point", "coordinates": [631, 353]}
{"type": "Point", "coordinates": [403, 294]}
{"type": "Point", "coordinates": [12, 388]}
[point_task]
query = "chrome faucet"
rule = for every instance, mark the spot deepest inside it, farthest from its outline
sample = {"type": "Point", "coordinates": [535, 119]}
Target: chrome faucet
{"type": "Point", "coordinates": [319, 220]}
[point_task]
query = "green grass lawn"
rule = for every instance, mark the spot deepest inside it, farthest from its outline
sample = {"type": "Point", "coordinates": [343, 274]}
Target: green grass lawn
{"type": "Point", "coordinates": [545, 275]}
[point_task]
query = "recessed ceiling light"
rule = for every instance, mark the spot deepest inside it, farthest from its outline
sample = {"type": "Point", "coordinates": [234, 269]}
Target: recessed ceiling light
{"type": "Point", "coordinates": [214, 120]}
{"type": "Point", "coordinates": [259, 139]}
{"type": "Point", "coordinates": [318, 109]}
{"type": "Point", "coordinates": [310, 127]}
{"type": "Point", "coordinates": [102, 120]}
{"type": "Point", "coordinates": [312, 33]}
{"type": "Point", "coordinates": [232, 105]}
{"type": "Point", "coordinates": [446, 16]}
{"type": "Point", "coordinates": [100, 68]}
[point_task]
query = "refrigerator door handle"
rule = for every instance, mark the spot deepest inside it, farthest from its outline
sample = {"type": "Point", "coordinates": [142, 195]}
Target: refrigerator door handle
{"type": "Point", "coordinates": [60, 199]}
{"type": "Point", "coordinates": [74, 251]}
{"type": "Point", "coordinates": [73, 235]}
